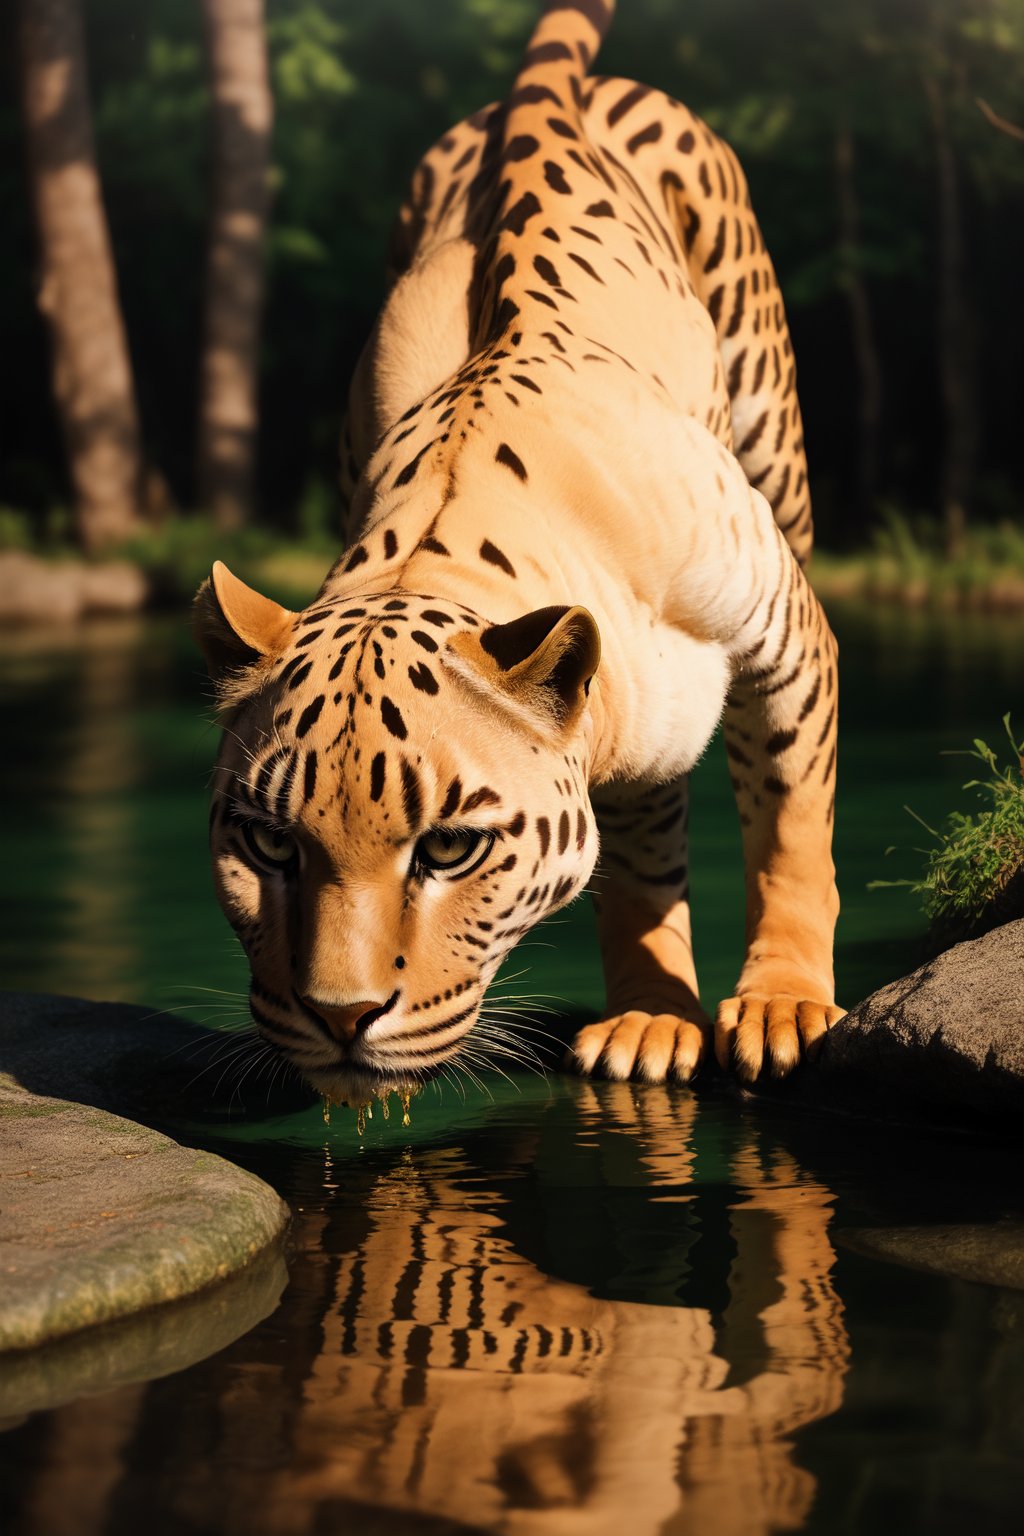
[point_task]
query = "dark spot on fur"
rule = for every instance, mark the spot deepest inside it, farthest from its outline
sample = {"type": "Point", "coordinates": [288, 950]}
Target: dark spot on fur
{"type": "Point", "coordinates": [392, 717]}
{"type": "Point", "coordinates": [309, 777]}
{"type": "Point", "coordinates": [422, 678]}
{"type": "Point", "coordinates": [563, 831]}
{"type": "Point", "coordinates": [510, 460]}
{"type": "Point", "coordinates": [555, 177]}
{"type": "Point", "coordinates": [377, 768]}
{"type": "Point", "coordinates": [299, 677]}
{"type": "Point", "coordinates": [451, 799]}
{"type": "Point", "coordinates": [521, 147]}
{"type": "Point", "coordinates": [412, 795]}
{"type": "Point", "coordinates": [483, 796]}
{"type": "Point", "coordinates": [405, 475]}
{"type": "Point", "coordinates": [519, 215]}
{"type": "Point", "coordinates": [547, 270]}
{"type": "Point", "coordinates": [493, 555]}
{"type": "Point", "coordinates": [310, 715]}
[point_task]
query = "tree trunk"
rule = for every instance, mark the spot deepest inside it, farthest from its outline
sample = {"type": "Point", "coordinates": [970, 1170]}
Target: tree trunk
{"type": "Point", "coordinates": [77, 294]}
{"type": "Point", "coordinates": [242, 115]}
{"type": "Point", "coordinates": [954, 337]}
{"type": "Point", "coordinates": [865, 345]}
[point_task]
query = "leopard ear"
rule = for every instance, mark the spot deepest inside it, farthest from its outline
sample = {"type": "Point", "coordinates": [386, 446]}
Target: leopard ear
{"type": "Point", "coordinates": [544, 660]}
{"type": "Point", "coordinates": [235, 626]}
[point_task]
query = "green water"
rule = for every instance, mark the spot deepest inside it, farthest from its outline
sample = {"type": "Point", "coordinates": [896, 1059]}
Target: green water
{"type": "Point", "coordinates": [548, 1306]}
{"type": "Point", "coordinates": [107, 887]}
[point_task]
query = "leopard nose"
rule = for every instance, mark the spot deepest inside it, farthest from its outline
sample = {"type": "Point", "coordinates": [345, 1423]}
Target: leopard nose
{"type": "Point", "coordinates": [347, 1021]}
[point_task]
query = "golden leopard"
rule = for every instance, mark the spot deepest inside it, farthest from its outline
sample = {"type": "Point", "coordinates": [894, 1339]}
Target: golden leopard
{"type": "Point", "coordinates": [578, 516]}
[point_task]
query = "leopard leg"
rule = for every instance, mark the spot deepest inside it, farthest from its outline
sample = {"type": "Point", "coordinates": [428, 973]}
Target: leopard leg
{"type": "Point", "coordinates": [654, 1027]}
{"type": "Point", "coordinates": [780, 734]}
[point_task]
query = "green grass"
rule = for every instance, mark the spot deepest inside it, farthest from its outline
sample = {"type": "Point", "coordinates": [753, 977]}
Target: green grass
{"type": "Point", "coordinates": [906, 563]}
{"type": "Point", "coordinates": [177, 554]}
{"type": "Point", "coordinates": [973, 874]}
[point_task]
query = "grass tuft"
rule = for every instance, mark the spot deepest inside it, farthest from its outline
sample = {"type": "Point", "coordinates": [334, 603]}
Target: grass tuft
{"type": "Point", "coordinates": [973, 875]}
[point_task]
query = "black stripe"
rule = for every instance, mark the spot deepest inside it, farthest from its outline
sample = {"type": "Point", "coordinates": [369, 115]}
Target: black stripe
{"type": "Point", "coordinates": [377, 768]}
{"type": "Point", "coordinates": [309, 778]}
{"type": "Point", "coordinates": [412, 796]}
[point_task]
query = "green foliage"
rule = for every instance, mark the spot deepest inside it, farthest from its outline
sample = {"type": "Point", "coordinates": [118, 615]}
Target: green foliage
{"type": "Point", "coordinates": [973, 876]}
{"type": "Point", "coordinates": [362, 89]}
{"type": "Point", "coordinates": [905, 560]}
{"type": "Point", "coordinates": [16, 530]}
{"type": "Point", "coordinates": [179, 554]}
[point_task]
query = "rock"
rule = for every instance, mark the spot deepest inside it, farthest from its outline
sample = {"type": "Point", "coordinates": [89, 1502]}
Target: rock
{"type": "Point", "coordinates": [992, 1255]}
{"type": "Point", "coordinates": [129, 1060]}
{"type": "Point", "coordinates": [56, 592]}
{"type": "Point", "coordinates": [945, 1043]}
{"type": "Point", "coordinates": [116, 586]}
{"type": "Point", "coordinates": [141, 1347]}
{"type": "Point", "coordinates": [100, 1216]}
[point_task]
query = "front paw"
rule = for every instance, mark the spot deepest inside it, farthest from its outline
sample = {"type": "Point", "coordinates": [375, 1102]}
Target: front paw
{"type": "Point", "coordinates": [770, 1035]}
{"type": "Point", "coordinates": [648, 1047]}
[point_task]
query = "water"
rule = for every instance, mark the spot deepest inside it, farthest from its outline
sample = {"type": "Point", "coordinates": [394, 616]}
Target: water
{"type": "Point", "coordinates": [553, 1306]}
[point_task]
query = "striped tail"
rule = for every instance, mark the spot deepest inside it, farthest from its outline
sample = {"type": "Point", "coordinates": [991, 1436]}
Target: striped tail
{"type": "Point", "coordinates": [559, 54]}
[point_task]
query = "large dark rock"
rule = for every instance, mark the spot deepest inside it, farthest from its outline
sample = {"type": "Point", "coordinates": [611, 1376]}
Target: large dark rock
{"type": "Point", "coordinates": [945, 1043]}
{"type": "Point", "coordinates": [985, 1255]}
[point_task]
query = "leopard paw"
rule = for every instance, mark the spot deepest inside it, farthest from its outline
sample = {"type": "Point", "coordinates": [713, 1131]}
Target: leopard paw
{"type": "Point", "coordinates": [649, 1048]}
{"type": "Point", "coordinates": [757, 1035]}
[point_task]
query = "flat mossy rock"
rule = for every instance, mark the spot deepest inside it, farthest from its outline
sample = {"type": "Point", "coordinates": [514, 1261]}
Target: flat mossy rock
{"type": "Point", "coordinates": [142, 1346]}
{"type": "Point", "coordinates": [945, 1043]}
{"type": "Point", "coordinates": [101, 1216]}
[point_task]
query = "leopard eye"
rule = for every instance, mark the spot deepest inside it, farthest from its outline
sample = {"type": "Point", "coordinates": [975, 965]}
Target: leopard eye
{"type": "Point", "coordinates": [273, 847]}
{"type": "Point", "coordinates": [452, 852]}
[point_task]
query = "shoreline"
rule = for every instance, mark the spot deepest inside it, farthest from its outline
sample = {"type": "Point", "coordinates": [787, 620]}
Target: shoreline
{"type": "Point", "coordinates": [65, 588]}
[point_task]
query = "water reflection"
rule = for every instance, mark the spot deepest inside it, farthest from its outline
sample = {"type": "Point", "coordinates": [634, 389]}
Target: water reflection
{"type": "Point", "coordinates": [607, 1321]}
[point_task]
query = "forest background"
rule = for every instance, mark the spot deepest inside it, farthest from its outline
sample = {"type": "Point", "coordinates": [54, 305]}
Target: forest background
{"type": "Point", "coordinates": [196, 197]}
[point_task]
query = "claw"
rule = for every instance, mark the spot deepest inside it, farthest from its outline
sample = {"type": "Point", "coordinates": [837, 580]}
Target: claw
{"type": "Point", "coordinates": [758, 1036]}
{"type": "Point", "coordinates": [637, 1045]}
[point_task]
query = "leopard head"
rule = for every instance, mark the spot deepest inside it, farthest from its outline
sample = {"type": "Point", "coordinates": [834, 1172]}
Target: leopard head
{"type": "Point", "coordinates": [399, 796]}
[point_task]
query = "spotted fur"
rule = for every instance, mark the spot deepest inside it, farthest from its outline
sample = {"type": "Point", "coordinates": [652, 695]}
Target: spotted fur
{"type": "Point", "coordinates": [580, 391]}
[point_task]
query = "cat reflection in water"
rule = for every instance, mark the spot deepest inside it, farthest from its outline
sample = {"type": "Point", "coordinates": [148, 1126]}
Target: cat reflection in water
{"type": "Point", "coordinates": [457, 1380]}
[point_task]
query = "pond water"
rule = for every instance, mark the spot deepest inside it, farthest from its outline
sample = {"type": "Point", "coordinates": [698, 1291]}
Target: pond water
{"type": "Point", "coordinates": [547, 1306]}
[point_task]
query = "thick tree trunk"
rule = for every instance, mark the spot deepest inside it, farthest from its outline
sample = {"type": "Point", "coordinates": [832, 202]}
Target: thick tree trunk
{"type": "Point", "coordinates": [954, 334]}
{"type": "Point", "coordinates": [242, 116]}
{"type": "Point", "coordinates": [865, 346]}
{"type": "Point", "coordinates": [92, 375]}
